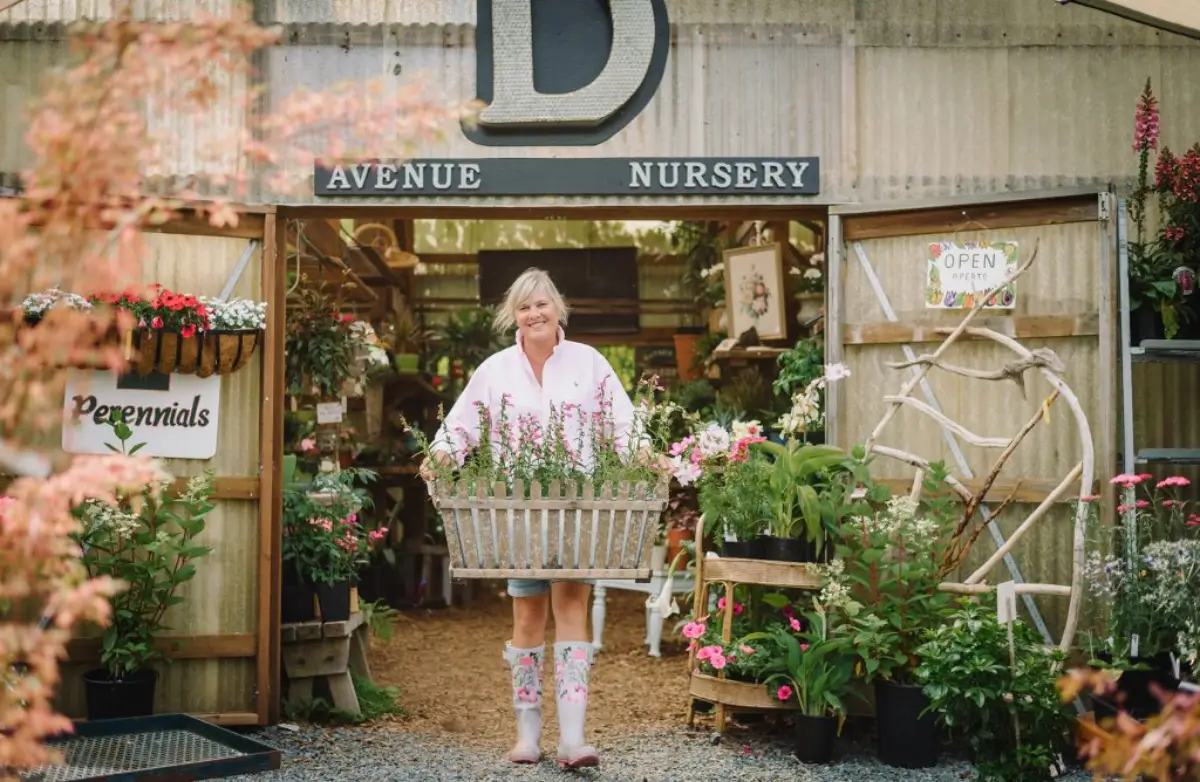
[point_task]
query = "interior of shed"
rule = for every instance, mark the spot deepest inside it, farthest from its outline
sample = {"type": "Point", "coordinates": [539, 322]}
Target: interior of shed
{"type": "Point", "coordinates": [651, 295]}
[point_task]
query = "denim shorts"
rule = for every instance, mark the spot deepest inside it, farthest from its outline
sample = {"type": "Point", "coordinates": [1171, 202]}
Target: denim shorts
{"type": "Point", "coordinates": [532, 587]}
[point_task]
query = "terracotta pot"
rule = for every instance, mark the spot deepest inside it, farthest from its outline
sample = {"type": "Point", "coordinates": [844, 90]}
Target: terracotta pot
{"type": "Point", "coordinates": [675, 541]}
{"type": "Point", "coordinates": [685, 356]}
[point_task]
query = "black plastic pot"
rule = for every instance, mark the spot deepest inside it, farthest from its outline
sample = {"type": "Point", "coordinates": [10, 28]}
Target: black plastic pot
{"type": "Point", "coordinates": [109, 699]}
{"type": "Point", "coordinates": [906, 739]}
{"type": "Point", "coordinates": [813, 742]}
{"type": "Point", "coordinates": [788, 549]}
{"type": "Point", "coordinates": [1134, 693]}
{"type": "Point", "coordinates": [745, 549]}
{"type": "Point", "coordinates": [1145, 323]}
{"type": "Point", "coordinates": [296, 603]}
{"type": "Point", "coordinates": [335, 601]}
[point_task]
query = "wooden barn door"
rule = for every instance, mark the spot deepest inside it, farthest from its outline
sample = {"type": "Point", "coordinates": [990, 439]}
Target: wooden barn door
{"type": "Point", "coordinates": [881, 312]}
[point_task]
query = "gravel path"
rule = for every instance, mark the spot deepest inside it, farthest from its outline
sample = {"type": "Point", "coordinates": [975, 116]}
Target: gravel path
{"type": "Point", "coordinates": [377, 754]}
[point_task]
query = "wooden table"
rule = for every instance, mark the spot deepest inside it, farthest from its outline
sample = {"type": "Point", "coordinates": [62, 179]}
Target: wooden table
{"type": "Point", "coordinates": [325, 650]}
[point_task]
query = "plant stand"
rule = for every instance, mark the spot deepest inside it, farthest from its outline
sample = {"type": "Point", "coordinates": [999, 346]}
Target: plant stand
{"type": "Point", "coordinates": [730, 572]}
{"type": "Point", "coordinates": [325, 651]}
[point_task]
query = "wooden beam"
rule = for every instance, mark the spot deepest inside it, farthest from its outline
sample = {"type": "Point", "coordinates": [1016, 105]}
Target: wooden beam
{"type": "Point", "coordinates": [269, 562]}
{"type": "Point", "coordinates": [232, 719]}
{"type": "Point", "coordinates": [250, 226]}
{"type": "Point", "coordinates": [324, 236]}
{"type": "Point", "coordinates": [1022, 214]}
{"type": "Point", "coordinates": [1031, 491]}
{"type": "Point", "coordinates": [1018, 327]}
{"type": "Point", "coordinates": [723, 211]}
{"type": "Point", "coordinates": [373, 259]}
{"type": "Point", "coordinates": [225, 488]}
{"type": "Point", "coordinates": [177, 647]}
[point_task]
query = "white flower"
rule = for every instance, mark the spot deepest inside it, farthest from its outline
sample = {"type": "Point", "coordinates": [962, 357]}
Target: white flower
{"type": "Point", "coordinates": [713, 441]}
{"type": "Point", "coordinates": [684, 471]}
{"type": "Point", "coordinates": [716, 268]}
{"type": "Point", "coordinates": [744, 429]}
{"type": "Point", "coordinates": [812, 273]}
{"type": "Point", "coordinates": [836, 372]}
{"type": "Point", "coordinates": [235, 314]}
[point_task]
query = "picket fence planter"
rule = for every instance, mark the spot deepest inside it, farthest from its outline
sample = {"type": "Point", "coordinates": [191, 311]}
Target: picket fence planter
{"type": "Point", "coordinates": [567, 532]}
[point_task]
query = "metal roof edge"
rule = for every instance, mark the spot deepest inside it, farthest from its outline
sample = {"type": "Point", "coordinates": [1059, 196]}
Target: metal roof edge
{"type": "Point", "coordinates": [967, 200]}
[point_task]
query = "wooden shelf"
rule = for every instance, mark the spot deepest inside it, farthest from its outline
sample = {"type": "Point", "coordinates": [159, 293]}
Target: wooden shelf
{"type": "Point", "coordinates": [761, 572]}
{"type": "Point", "coordinates": [718, 690]}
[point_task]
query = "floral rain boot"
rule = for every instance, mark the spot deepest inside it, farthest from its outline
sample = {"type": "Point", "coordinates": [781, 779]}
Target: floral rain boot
{"type": "Point", "coordinates": [525, 666]}
{"type": "Point", "coordinates": [572, 664]}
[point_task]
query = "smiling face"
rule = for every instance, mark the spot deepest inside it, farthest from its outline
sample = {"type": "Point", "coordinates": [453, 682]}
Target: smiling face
{"type": "Point", "coordinates": [537, 319]}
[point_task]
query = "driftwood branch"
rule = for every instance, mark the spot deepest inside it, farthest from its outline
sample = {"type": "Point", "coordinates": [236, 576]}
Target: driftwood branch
{"type": "Point", "coordinates": [946, 422]}
{"type": "Point", "coordinates": [923, 465]}
{"type": "Point", "coordinates": [958, 549]}
{"type": "Point", "coordinates": [1026, 525]}
{"type": "Point", "coordinates": [1013, 371]}
{"type": "Point", "coordinates": [974, 502]}
{"type": "Point", "coordinates": [923, 370]}
{"type": "Point", "coordinates": [1021, 589]}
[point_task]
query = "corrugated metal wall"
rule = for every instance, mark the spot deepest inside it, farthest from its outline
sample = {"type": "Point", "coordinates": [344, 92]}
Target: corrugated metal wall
{"type": "Point", "coordinates": [222, 600]}
{"type": "Point", "coordinates": [900, 98]}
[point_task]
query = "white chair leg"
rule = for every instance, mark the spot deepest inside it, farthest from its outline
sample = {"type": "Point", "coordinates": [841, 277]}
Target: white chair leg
{"type": "Point", "coordinates": [599, 595]}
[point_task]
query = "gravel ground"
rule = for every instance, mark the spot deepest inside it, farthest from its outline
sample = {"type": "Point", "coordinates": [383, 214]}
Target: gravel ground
{"type": "Point", "coordinates": [383, 753]}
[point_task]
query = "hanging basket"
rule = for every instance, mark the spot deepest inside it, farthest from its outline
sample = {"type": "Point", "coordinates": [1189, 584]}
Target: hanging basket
{"type": "Point", "coordinates": [565, 532]}
{"type": "Point", "coordinates": [202, 354]}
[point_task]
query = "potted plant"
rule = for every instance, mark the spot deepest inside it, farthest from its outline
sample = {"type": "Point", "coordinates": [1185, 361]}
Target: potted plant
{"type": "Point", "coordinates": [1162, 271]}
{"type": "Point", "coordinates": [801, 504]}
{"type": "Point", "coordinates": [736, 503]}
{"type": "Point", "coordinates": [815, 668]}
{"type": "Point", "coordinates": [996, 694]}
{"type": "Point", "coordinates": [892, 560]}
{"type": "Point", "coordinates": [1147, 590]}
{"type": "Point", "coordinates": [407, 342]}
{"type": "Point", "coordinates": [325, 541]}
{"type": "Point", "coordinates": [320, 347]}
{"type": "Point", "coordinates": [152, 551]}
{"type": "Point", "coordinates": [466, 339]}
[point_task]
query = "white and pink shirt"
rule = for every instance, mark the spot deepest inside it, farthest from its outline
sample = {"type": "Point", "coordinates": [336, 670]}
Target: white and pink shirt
{"type": "Point", "coordinates": [573, 376]}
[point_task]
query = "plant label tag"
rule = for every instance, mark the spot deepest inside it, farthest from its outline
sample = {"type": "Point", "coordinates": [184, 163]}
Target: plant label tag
{"type": "Point", "coordinates": [1058, 767]}
{"type": "Point", "coordinates": [329, 413]}
{"type": "Point", "coordinates": [1134, 642]}
{"type": "Point", "coordinates": [1006, 602]}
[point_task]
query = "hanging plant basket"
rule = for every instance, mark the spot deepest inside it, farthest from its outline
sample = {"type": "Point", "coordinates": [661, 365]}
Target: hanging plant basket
{"type": "Point", "coordinates": [565, 532]}
{"type": "Point", "coordinates": [203, 354]}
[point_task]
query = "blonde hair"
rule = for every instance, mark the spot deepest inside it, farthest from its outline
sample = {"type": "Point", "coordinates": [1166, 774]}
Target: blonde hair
{"type": "Point", "coordinates": [525, 287]}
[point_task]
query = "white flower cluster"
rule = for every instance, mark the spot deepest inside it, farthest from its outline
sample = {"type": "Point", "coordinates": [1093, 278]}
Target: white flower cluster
{"type": "Point", "coordinates": [36, 304]}
{"type": "Point", "coordinates": [713, 441]}
{"type": "Point", "coordinates": [716, 269]}
{"type": "Point", "coordinates": [807, 411]}
{"type": "Point", "coordinates": [743, 429]}
{"type": "Point", "coordinates": [1103, 575]}
{"type": "Point", "coordinates": [102, 516]}
{"type": "Point", "coordinates": [235, 314]}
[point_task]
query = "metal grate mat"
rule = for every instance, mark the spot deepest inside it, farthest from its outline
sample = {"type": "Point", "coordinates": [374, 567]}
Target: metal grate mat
{"type": "Point", "coordinates": [100, 756]}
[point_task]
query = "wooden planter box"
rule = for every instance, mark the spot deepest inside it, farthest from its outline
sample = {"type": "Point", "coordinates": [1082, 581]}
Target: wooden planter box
{"type": "Point", "coordinates": [743, 695]}
{"type": "Point", "coordinates": [565, 532]}
{"type": "Point", "coordinates": [204, 354]}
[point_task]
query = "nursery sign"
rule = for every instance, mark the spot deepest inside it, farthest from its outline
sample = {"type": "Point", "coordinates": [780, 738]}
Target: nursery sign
{"type": "Point", "coordinates": [174, 415]}
{"type": "Point", "coordinates": [596, 176]}
{"type": "Point", "coordinates": [959, 274]}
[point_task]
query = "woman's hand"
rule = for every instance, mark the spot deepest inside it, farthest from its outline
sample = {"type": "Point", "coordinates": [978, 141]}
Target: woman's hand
{"type": "Point", "coordinates": [441, 458]}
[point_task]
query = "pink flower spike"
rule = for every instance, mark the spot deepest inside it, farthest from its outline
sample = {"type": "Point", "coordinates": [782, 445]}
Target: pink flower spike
{"type": "Point", "coordinates": [1127, 480]}
{"type": "Point", "coordinates": [1142, 503]}
{"type": "Point", "coordinates": [795, 624]}
{"type": "Point", "coordinates": [1174, 480]}
{"type": "Point", "coordinates": [1124, 508]}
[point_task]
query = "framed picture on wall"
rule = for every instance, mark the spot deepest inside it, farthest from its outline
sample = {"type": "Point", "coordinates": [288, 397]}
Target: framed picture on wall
{"type": "Point", "coordinates": [754, 292]}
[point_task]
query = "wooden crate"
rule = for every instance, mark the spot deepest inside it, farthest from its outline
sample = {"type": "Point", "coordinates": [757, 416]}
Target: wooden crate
{"type": "Point", "coordinates": [561, 531]}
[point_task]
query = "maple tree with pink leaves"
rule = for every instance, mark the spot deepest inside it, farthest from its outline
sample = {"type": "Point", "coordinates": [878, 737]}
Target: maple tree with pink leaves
{"type": "Point", "coordinates": [101, 176]}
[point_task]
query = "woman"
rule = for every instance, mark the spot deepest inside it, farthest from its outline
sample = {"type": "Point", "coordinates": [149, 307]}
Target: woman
{"type": "Point", "coordinates": [542, 369]}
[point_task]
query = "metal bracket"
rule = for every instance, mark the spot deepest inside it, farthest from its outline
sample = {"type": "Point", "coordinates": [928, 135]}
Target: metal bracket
{"type": "Point", "coordinates": [238, 269]}
{"type": "Point", "coordinates": [1103, 208]}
